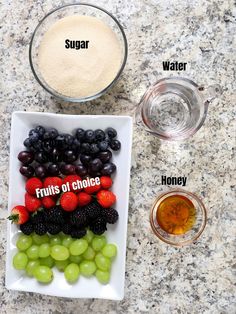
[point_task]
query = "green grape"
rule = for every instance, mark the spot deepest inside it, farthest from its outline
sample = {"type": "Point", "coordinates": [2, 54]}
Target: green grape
{"type": "Point", "coordinates": [61, 265]}
{"type": "Point", "coordinates": [47, 261]}
{"type": "Point", "coordinates": [43, 274]}
{"type": "Point", "coordinates": [87, 268]}
{"type": "Point", "coordinates": [20, 260]}
{"type": "Point", "coordinates": [78, 247]}
{"type": "Point", "coordinates": [59, 252]}
{"type": "Point", "coordinates": [102, 262]}
{"type": "Point", "coordinates": [98, 243]}
{"type": "Point", "coordinates": [89, 254]}
{"type": "Point", "coordinates": [31, 266]}
{"type": "Point", "coordinates": [67, 241]}
{"type": "Point", "coordinates": [24, 242]}
{"type": "Point", "coordinates": [33, 252]}
{"type": "Point", "coordinates": [40, 239]}
{"type": "Point", "coordinates": [109, 250]}
{"type": "Point", "coordinates": [75, 259]}
{"type": "Point", "coordinates": [72, 272]}
{"type": "Point", "coordinates": [54, 240]}
{"type": "Point", "coordinates": [44, 250]}
{"type": "Point", "coordinates": [89, 236]}
{"type": "Point", "coordinates": [102, 276]}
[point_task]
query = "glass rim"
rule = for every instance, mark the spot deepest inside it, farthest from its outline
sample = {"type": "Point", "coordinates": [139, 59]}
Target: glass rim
{"type": "Point", "coordinates": [87, 98]}
{"type": "Point", "coordinates": [185, 193]}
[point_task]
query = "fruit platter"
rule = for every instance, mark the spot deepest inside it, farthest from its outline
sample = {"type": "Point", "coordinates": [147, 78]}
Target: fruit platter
{"type": "Point", "coordinates": [68, 204]}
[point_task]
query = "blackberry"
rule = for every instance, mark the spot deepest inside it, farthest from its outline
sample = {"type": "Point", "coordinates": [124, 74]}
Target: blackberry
{"type": "Point", "coordinates": [53, 228]}
{"type": "Point", "coordinates": [78, 218]}
{"type": "Point", "coordinates": [37, 217]}
{"type": "Point", "coordinates": [55, 215]}
{"type": "Point", "coordinates": [98, 226]}
{"type": "Point", "coordinates": [78, 233]}
{"type": "Point", "coordinates": [66, 228]}
{"type": "Point", "coordinates": [40, 228]}
{"type": "Point", "coordinates": [93, 210]}
{"type": "Point", "coordinates": [27, 228]}
{"type": "Point", "coordinates": [111, 215]}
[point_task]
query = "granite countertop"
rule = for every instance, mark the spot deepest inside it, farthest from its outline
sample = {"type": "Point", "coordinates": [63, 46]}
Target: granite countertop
{"type": "Point", "coordinates": [200, 278]}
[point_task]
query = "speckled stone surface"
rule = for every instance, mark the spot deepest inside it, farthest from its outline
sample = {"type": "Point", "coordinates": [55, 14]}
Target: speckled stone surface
{"type": "Point", "coordinates": [200, 278]}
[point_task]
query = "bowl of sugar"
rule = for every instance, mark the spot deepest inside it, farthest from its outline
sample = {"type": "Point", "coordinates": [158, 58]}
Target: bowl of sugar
{"type": "Point", "coordinates": [77, 52]}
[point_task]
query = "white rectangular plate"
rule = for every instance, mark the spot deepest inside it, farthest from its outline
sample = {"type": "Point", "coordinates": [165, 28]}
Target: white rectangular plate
{"type": "Point", "coordinates": [22, 122]}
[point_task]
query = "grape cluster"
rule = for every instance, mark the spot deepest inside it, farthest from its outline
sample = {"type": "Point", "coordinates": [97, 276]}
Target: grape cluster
{"type": "Point", "coordinates": [74, 223]}
{"type": "Point", "coordinates": [50, 153]}
{"type": "Point", "coordinates": [91, 255]}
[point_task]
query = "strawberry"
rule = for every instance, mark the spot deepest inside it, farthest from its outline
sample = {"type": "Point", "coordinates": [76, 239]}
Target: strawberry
{"type": "Point", "coordinates": [48, 202]}
{"type": "Point", "coordinates": [83, 199]}
{"type": "Point", "coordinates": [106, 182]}
{"type": "Point", "coordinates": [72, 178]}
{"type": "Point", "coordinates": [32, 184]}
{"type": "Point", "coordinates": [19, 215]}
{"type": "Point", "coordinates": [32, 203]}
{"type": "Point", "coordinates": [106, 198]}
{"type": "Point", "coordinates": [52, 181]}
{"type": "Point", "coordinates": [92, 189]}
{"type": "Point", "coordinates": [69, 201]}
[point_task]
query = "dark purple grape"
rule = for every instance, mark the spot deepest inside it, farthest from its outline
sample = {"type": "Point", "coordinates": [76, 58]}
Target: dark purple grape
{"type": "Point", "coordinates": [76, 145]}
{"type": "Point", "coordinates": [41, 157]}
{"type": "Point", "coordinates": [53, 170]}
{"type": "Point", "coordinates": [111, 132]}
{"type": "Point", "coordinates": [85, 148]}
{"type": "Point", "coordinates": [89, 136]}
{"type": "Point", "coordinates": [94, 148]}
{"type": "Point", "coordinates": [26, 157]}
{"type": "Point", "coordinates": [41, 171]}
{"type": "Point", "coordinates": [27, 171]}
{"type": "Point", "coordinates": [99, 135]}
{"type": "Point", "coordinates": [95, 165]}
{"type": "Point", "coordinates": [115, 145]}
{"type": "Point", "coordinates": [81, 170]}
{"type": "Point", "coordinates": [69, 156]}
{"type": "Point", "coordinates": [95, 174]}
{"type": "Point", "coordinates": [108, 169]}
{"type": "Point", "coordinates": [85, 159]}
{"type": "Point", "coordinates": [105, 156]}
{"type": "Point", "coordinates": [67, 169]}
{"type": "Point", "coordinates": [55, 155]}
{"type": "Point", "coordinates": [79, 133]}
{"type": "Point", "coordinates": [40, 130]}
{"type": "Point", "coordinates": [27, 143]}
{"type": "Point", "coordinates": [103, 146]}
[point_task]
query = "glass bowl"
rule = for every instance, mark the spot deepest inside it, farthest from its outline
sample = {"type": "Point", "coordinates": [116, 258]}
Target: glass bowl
{"type": "Point", "coordinates": [191, 235]}
{"type": "Point", "coordinates": [67, 10]}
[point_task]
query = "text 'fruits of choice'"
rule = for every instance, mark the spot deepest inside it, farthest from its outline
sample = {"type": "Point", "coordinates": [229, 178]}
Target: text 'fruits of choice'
{"type": "Point", "coordinates": [66, 187]}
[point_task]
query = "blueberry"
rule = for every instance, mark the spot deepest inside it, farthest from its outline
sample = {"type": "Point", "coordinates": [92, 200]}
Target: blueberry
{"type": "Point", "coordinates": [69, 156]}
{"type": "Point", "coordinates": [32, 132]}
{"type": "Point", "coordinates": [89, 136]}
{"type": "Point", "coordinates": [67, 169]}
{"type": "Point", "coordinates": [33, 138]}
{"type": "Point", "coordinates": [60, 142]}
{"type": "Point", "coordinates": [85, 148]}
{"type": "Point", "coordinates": [26, 157]}
{"type": "Point", "coordinates": [105, 156]}
{"type": "Point", "coordinates": [85, 159]}
{"type": "Point", "coordinates": [75, 145]}
{"type": "Point", "coordinates": [94, 149]}
{"type": "Point", "coordinates": [40, 130]}
{"type": "Point", "coordinates": [111, 132]}
{"type": "Point", "coordinates": [95, 165]}
{"type": "Point", "coordinates": [115, 145]}
{"type": "Point", "coordinates": [27, 143]}
{"type": "Point", "coordinates": [27, 171]}
{"type": "Point", "coordinates": [41, 171]}
{"type": "Point", "coordinates": [48, 146]}
{"type": "Point", "coordinates": [53, 133]}
{"type": "Point", "coordinates": [108, 169]}
{"type": "Point", "coordinates": [79, 134]}
{"type": "Point", "coordinates": [55, 155]}
{"type": "Point", "coordinates": [41, 157]}
{"type": "Point", "coordinates": [99, 135]}
{"type": "Point", "coordinates": [103, 146]}
{"type": "Point", "coordinates": [68, 139]}
{"type": "Point", "coordinates": [81, 170]}
{"type": "Point", "coordinates": [38, 145]}
{"type": "Point", "coordinates": [53, 170]}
